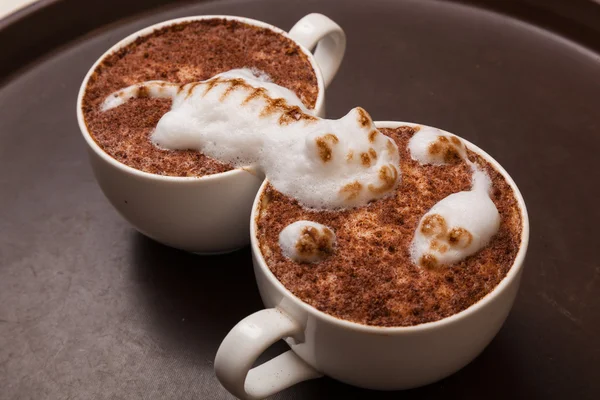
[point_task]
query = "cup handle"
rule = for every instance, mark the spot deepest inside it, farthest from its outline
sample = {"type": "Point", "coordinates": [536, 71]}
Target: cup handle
{"type": "Point", "coordinates": [329, 39]}
{"type": "Point", "coordinates": [242, 346]}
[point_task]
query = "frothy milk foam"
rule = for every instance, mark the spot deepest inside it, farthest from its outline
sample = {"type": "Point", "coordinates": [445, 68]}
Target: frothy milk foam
{"type": "Point", "coordinates": [306, 241]}
{"type": "Point", "coordinates": [239, 117]}
{"type": "Point", "coordinates": [462, 223]}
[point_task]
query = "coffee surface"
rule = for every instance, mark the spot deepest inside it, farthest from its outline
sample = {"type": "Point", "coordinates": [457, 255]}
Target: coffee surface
{"type": "Point", "coordinates": [369, 278]}
{"type": "Point", "coordinates": [183, 53]}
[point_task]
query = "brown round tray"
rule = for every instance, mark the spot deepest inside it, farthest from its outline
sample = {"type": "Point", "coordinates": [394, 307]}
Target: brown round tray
{"type": "Point", "coordinates": [90, 309]}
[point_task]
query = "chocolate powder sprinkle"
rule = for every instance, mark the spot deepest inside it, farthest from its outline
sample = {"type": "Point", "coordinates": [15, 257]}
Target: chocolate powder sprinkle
{"type": "Point", "coordinates": [370, 278]}
{"type": "Point", "coordinates": [183, 53]}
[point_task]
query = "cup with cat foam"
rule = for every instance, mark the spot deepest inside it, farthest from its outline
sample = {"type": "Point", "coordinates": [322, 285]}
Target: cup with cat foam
{"type": "Point", "coordinates": [208, 214]}
{"type": "Point", "coordinates": [382, 358]}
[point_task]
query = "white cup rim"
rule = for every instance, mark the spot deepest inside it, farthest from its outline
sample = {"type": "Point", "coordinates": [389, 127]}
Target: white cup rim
{"type": "Point", "coordinates": [149, 29]}
{"type": "Point", "coordinates": [503, 285]}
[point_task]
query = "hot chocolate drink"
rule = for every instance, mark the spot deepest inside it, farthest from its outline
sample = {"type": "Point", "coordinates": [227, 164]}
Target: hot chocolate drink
{"type": "Point", "coordinates": [182, 53]}
{"type": "Point", "coordinates": [400, 260]}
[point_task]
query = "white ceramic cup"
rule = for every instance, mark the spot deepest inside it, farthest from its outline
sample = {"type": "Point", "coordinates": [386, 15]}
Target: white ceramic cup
{"type": "Point", "coordinates": [371, 357]}
{"type": "Point", "coordinates": [207, 214]}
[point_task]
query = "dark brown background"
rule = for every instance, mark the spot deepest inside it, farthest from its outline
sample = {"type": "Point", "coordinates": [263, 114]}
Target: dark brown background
{"type": "Point", "coordinates": [90, 309]}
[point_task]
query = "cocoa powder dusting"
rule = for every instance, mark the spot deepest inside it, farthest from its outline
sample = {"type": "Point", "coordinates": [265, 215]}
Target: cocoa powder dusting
{"type": "Point", "coordinates": [370, 278]}
{"type": "Point", "coordinates": [183, 53]}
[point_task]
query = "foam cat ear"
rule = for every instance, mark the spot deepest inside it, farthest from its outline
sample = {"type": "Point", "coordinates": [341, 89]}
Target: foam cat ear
{"type": "Point", "coordinates": [358, 119]}
{"type": "Point", "coordinates": [364, 119]}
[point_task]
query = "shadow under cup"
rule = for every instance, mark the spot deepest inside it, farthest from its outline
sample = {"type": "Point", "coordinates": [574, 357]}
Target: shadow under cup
{"type": "Point", "coordinates": [206, 214]}
{"type": "Point", "coordinates": [383, 358]}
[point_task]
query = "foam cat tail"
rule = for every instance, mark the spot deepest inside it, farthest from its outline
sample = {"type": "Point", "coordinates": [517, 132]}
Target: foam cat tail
{"type": "Point", "coordinates": [154, 89]}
